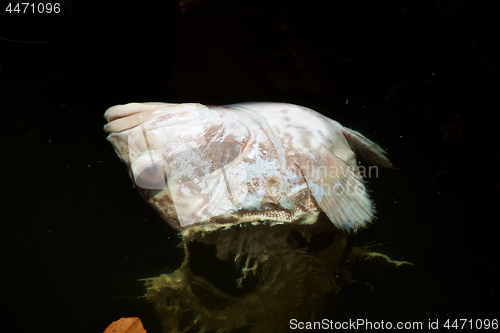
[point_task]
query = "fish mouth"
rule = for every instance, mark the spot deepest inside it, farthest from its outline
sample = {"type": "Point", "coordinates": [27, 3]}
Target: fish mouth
{"type": "Point", "coordinates": [124, 117]}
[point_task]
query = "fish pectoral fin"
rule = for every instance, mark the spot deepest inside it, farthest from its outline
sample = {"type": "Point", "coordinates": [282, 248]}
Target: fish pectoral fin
{"type": "Point", "coordinates": [338, 190]}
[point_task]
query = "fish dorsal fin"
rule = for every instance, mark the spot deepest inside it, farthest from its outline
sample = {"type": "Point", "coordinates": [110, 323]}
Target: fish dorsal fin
{"type": "Point", "coordinates": [338, 190]}
{"type": "Point", "coordinates": [368, 150]}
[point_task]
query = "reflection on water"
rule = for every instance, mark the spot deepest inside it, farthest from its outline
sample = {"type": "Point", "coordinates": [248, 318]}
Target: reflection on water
{"type": "Point", "coordinates": [293, 282]}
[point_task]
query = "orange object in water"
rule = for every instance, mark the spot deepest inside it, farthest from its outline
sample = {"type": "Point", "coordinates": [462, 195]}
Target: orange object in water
{"type": "Point", "coordinates": [126, 325]}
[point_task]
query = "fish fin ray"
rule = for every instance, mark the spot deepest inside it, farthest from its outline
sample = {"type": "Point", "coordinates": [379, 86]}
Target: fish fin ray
{"type": "Point", "coordinates": [338, 190]}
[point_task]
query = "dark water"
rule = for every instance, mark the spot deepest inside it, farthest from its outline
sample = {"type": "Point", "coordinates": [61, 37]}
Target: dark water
{"type": "Point", "coordinates": [419, 78]}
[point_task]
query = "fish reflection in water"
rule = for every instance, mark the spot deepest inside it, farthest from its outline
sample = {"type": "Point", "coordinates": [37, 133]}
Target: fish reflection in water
{"type": "Point", "coordinates": [247, 179]}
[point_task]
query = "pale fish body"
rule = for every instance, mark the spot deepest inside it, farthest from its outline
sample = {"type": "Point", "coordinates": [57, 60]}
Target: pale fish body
{"type": "Point", "coordinates": [208, 167]}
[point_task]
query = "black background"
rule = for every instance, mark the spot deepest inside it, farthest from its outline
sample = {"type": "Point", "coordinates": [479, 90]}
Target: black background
{"type": "Point", "coordinates": [418, 77]}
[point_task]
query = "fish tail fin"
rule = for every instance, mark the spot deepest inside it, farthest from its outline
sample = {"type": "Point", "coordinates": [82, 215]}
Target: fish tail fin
{"type": "Point", "coordinates": [338, 190]}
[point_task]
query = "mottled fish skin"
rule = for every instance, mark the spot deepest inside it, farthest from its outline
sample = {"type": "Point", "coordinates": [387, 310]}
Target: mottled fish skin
{"type": "Point", "coordinates": [248, 162]}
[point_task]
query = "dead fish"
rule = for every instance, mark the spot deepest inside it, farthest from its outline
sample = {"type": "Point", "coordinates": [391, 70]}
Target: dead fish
{"type": "Point", "coordinates": [206, 167]}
